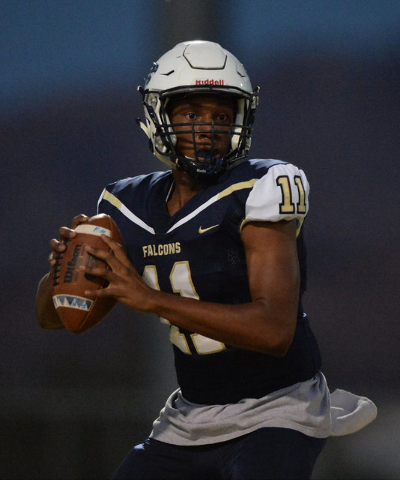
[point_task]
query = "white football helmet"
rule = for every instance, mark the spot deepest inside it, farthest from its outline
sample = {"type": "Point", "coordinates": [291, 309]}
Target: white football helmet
{"type": "Point", "coordinates": [196, 67]}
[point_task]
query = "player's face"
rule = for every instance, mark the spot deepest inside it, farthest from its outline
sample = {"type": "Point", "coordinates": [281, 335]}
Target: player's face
{"type": "Point", "coordinates": [198, 140]}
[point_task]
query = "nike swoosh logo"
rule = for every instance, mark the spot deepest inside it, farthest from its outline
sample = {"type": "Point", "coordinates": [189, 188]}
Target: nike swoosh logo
{"type": "Point", "coordinates": [203, 230]}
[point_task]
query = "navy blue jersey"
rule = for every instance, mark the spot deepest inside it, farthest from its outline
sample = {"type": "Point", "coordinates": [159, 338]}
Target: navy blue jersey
{"type": "Point", "coordinates": [198, 253]}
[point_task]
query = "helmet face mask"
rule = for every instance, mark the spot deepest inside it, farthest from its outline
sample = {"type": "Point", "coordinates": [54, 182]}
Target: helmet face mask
{"type": "Point", "coordinates": [196, 68]}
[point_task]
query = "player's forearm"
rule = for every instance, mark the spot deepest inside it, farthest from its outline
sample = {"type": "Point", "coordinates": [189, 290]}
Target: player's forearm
{"type": "Point", "coordinates": [253, 326]}
{"type": "Point", "coordinates": [46, 313]}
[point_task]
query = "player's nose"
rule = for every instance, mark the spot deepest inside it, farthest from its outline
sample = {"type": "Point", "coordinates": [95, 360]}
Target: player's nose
{"type": "Point", "coordinates": [204, 130]}
{"type": "Point", "coordinates": [206, 126]}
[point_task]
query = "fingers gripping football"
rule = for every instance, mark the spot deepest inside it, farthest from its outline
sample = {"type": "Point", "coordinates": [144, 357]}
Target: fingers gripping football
{"type": "Point", "coordinates": [125, 284]}
{"type": "Point", "coordinates": [65, 233]}
{"type": "Point", "coordinates": [78, 220]}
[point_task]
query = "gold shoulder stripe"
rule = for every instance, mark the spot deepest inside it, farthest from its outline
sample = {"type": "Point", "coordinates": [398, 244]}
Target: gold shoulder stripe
{"type": "Point", "coordinates": [237, 186]}
{"type": "Point", "coordinates": [215, 198]}
{"type": "Point", "coordinates": [116, 202]}
{"type": "Point", "coordinates": [112, 199]}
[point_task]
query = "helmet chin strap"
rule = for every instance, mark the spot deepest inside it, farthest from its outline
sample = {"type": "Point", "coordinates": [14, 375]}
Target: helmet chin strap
{"type": "Point", "coordinates": [143, 126]}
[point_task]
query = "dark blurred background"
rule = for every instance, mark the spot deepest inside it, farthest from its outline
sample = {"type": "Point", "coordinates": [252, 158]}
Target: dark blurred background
{"type": "Point", "coordinates": [72, 406]}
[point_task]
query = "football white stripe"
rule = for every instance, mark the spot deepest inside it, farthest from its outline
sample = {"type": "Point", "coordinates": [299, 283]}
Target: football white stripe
{"type": "Point", "coordinates": [72, 301]}
{"type": "Point", "coordinates": [92, 230]}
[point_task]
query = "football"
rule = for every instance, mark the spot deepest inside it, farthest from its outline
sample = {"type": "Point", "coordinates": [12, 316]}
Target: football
{"type": "Point", "coordinates": [77, 312]}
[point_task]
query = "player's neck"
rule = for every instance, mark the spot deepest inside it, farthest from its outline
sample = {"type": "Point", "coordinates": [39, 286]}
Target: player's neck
{"type": "Point", "coordinates": [183, 189]}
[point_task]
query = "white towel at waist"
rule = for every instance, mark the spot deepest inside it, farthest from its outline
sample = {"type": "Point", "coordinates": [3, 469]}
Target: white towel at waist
{"type": "Point", "coordinates": [350, 413]}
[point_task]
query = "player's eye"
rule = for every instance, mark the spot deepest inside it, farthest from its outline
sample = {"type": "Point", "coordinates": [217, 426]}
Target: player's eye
{"type": "Point", "coordinates": [192, 116]}
{"type": "Point", "coordinates": [222, 117]}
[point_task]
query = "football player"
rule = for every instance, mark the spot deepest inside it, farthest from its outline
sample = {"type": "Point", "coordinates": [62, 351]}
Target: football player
{"type": "Point", "coordinates": [214, 247]}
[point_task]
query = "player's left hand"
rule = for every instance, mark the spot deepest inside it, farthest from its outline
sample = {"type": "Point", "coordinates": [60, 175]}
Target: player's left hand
{"type": "Point", "coordinates": [125, 284]}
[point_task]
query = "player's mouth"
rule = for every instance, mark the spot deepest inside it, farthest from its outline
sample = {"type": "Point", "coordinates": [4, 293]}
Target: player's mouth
{"type": "Point", "coordinates": [206, 155]}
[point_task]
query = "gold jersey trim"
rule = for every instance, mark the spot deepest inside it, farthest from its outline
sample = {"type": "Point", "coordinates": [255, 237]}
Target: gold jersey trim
{"type": "Point", "coordinates": [109, 197]}
{"type": "Point", "coordinates": [215, 198]}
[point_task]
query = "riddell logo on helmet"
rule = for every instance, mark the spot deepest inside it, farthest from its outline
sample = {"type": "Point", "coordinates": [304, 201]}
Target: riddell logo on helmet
{"type": "Point", "coordinates": [209, 81]}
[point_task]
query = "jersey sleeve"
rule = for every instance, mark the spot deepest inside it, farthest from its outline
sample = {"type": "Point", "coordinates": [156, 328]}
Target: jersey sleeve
{"type": "Point", "coordinates": [281, 194]}
{"type": "Point", "coordinates": [107, 206]}
{"type": "Point", "coordinates": [99, 201]}
{"type": "Point", "coordinates": [107, 200]}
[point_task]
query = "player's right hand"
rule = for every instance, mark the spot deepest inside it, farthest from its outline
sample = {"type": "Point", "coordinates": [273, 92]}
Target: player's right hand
{"type": "Point", "coordinates": [65, 233]}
